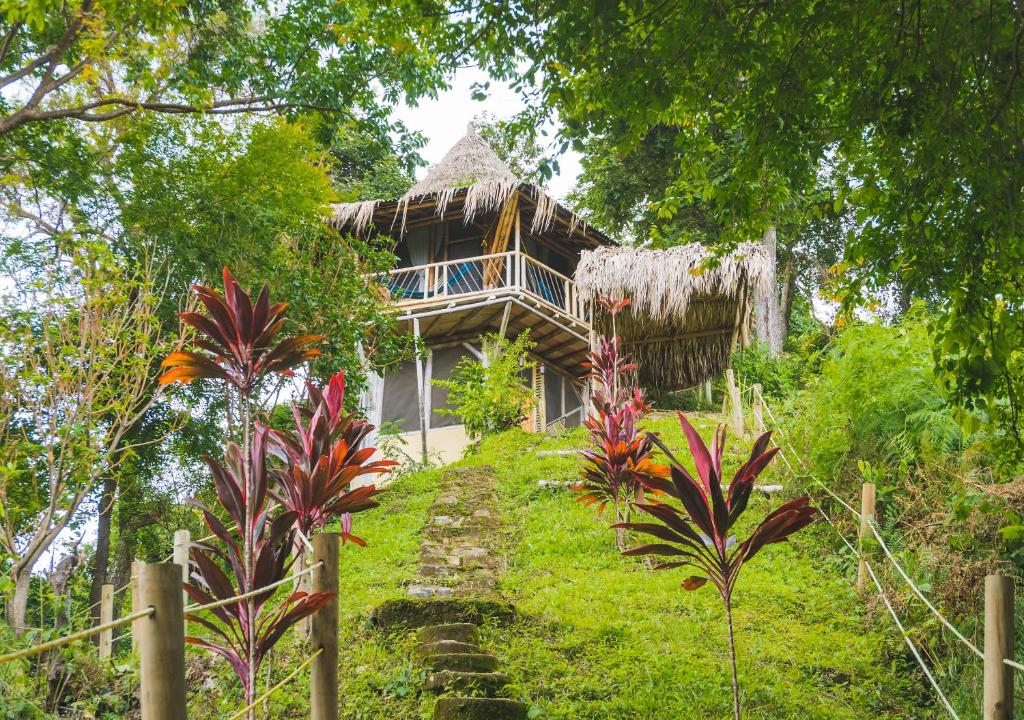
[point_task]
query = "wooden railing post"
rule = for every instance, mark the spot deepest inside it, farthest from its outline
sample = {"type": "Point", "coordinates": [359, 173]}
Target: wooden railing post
{"type": "Point", "coordinates": [707, 392]}
{"type": "Point", "coordinates": [998, 693]}
{"type": "Point", "coordinates": [867, 515]}
{"type": "Point", "coordinates": [323, 676]}
{"type": "Point", "coordinates": [106, 616]}
{"type": "Point", "coordinates": [758, 401]}
{"type": "Point", "coordinates": [735, 402]}
{"type": "Point", "coordinates": [182, 545]}
{"type": "Point", "coordinates": [162, 644]}
{"type": "Point", "coordinates": [135, 582]}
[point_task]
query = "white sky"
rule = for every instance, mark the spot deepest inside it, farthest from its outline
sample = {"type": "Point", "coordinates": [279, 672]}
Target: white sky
{"type": "Point", "coordinates": [443, 122]}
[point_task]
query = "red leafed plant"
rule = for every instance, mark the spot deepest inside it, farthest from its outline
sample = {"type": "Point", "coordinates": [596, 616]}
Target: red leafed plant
{"type": "Point", "coordinates": [237, 343]}
{"type": "Point", "coordinates": [322, 458]}
{"type": "Point", "coordinates": [621, 456]}
{"type": "Point", "coordinates": [698, 533]}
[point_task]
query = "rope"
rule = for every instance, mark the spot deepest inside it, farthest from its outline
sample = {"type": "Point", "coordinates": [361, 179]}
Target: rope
{"type": "Point", "coordinates": [1014, 665]}
{"type": "Point", "coordinates": [252, 593]}
{"type": "Point", "coordinates": [896, 619]}
{"type": "Point", "coordinates": [910, 644]}
{"type": "Point", "coordinates": [291, 676]}
{"type": "Point", "coordinates": [59, 642]}
{"type": "Point", "coordinates": [917, 591]}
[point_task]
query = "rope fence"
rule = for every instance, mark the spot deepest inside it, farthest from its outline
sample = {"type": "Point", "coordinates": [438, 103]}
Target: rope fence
{"type": "Point", "coordinates": [160, 640]}
{"type": "Point", "coordinates": [1001, 694]}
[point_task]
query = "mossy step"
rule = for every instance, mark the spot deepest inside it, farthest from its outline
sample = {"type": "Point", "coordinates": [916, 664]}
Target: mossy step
{"type": "Point", "coordinates": [485, 683]}
{"type": "Point", "coordinates": [446, 647]}
{"type": "Point", "coordinates": [459, 632]}
{"type": "Point", "coordinates": [470, 708]}
{"type": "Point", "coordinates": [461, 662]}
{"type": "Point", "coordinates": [421, 612]}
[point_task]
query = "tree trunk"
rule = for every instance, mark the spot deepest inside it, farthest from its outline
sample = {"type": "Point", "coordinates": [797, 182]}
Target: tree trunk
{"type": "Point", "coordinates": [102, 555]}
{"type": "Point", "coordinates": [768, 319]}
{"type": "Point", "coordinates": [788, 291]}
{"type": "Point", "coordinates": [17, 608]}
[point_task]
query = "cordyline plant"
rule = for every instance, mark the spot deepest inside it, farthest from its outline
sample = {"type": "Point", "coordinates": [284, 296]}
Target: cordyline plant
{"type": "Point", "coordinates": [621, 455]}
{"type": "Point", "coordinates": [322, 458]}
{"type": "Point", "coordinates": [238, 344]}
{"type": "Point", "coordinates": [698, 533]}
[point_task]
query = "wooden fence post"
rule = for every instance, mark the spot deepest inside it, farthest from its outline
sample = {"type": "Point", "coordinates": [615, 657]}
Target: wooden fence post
{"type": "Point", "coordinates": [162, 644]}
{"type": "Point", "coordinates": [182, 546]}
{"type": "Point", "coordinates": [867, 514]}
{"type": "Point", "coordinates": [136, 590]}
{"type": "Point", "coordinates": [106, 616]}
{"type": "Point", "coordinates": [758, 408]}
{"type": "Point", "coordinates": [998, 694]}
{"type": "Point", "coordinates": [707, 392]}
{"type": "Point", "coordinates": [735, 402]}
{"type": "Point", "coordinates": [323, 635]}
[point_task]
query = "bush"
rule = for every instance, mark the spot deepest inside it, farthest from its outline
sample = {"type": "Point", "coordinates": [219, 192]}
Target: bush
{"type": "Point", "coordinates": [490, 396]}
{"type": "Point", "coordinates": [756, 364]}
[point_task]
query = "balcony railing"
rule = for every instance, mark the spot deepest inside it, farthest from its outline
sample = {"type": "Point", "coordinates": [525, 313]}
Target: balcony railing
{"type": "Point", "coordinates": [502, 271]}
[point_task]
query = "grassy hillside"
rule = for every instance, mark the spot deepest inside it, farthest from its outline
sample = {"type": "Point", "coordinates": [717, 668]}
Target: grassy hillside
{"type": "Point", "coordinates": [601, 636]}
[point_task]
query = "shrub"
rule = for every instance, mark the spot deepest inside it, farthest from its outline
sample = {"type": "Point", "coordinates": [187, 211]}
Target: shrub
{"type": "Point", "coordinates": [756, 364]}
{"type": "Point", "coordinates": [490, 396]}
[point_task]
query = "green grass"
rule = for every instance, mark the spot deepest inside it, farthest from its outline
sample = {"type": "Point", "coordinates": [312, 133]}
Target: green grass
{"type": "Point", "coordinates": [601, 636]}
{"type": "Point", "coordinates": [604, 637]}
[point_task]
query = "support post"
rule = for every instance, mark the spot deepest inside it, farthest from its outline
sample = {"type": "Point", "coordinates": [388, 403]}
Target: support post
{"type": "Point", "coordinates": [136, 591]}
{"type": "Point", "coordinates": [735, 402]}
{"type": "Point", "coordinates": [106, 616]}
{"type": "Point", "coordinates": [707, 392]}
{"type": "Point", "coordinates": [758, 409]}
{"type": "Point", "coordinates": [867, 514]}
{"type": "Point", "coordinates": [182, 545]}
{"type": "Point", "coordinates": [323, 677]}
{"type": "Point", "coordinates": [162, 644]}
{"type": "Point", "coordinates": [420, 395]}
{"type": "Point", "coordinates": [998, 693]}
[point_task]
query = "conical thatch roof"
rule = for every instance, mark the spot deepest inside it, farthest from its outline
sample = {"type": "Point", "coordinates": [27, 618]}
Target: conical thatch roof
{"type": "Point", "coordinates": [470, 167]}
{"type": "Point", "coordinates": [687, 311]}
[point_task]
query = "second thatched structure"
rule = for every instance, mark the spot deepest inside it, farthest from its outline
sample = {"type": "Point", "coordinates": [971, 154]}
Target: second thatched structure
{"type": "Point", "coordinates": [689, 307]}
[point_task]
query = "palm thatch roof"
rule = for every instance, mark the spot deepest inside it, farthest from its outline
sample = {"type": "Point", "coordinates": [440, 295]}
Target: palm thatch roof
{"type": "Point", "coordinates": [471, 176]}
{"type": "Point", "coordinates": [688, 306]}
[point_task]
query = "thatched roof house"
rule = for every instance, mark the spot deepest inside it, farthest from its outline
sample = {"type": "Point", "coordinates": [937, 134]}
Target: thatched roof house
{"type": "Point", "coordinates": [470, 182]}
{"type": "Point", "coordinates": [687, 311]}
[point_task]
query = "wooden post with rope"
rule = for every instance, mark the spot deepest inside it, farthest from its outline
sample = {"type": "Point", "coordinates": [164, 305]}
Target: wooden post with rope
{"type": "Point", "coordinates": [998, 692]}
{"type": "Point", "coordinates": [323, 635]}
{"type": "Point", "coordinates": [106, 616]}
{"type": "Point", "coordinates": [867, 514]}
{"type": "Point", "coordinates": [136, 594]}
{"type": "Point", "coordinates": [162, 644]}
{"type": "Point", "coordinates": [182, 545]}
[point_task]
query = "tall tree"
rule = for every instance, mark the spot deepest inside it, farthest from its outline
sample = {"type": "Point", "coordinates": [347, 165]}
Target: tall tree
{"type": "Point", "coordinates": [77, 339]}
{"type": "Point", "coordinates": [98, 60]}
{"type": "Point", "coordinates": [917, 110]}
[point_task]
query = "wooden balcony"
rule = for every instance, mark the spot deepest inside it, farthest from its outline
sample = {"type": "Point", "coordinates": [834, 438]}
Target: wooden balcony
{"type": "Point", "coordinates": [458, 300]}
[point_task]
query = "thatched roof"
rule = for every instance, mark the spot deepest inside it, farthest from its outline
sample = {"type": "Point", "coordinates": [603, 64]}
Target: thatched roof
{"type": "Point", "coordinates": [687, 311]}
{"type": "Point", "coordinates": [470, 173]}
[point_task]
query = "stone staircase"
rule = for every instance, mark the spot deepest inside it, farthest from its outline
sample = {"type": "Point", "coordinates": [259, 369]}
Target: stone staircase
{"type": "Point", "coordinates": [453, 594]}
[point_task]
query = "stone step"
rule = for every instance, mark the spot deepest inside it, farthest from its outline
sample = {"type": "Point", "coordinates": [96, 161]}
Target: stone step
{"type": "Point", "coordinates": [446, 647]}
{"type": "Point", "coordinates": [417, 612]}
{"type": "Point", "coordinates": [469, 708]}
{"type": "Point", "coordinates": [461, 662]}
{"type": "Point", "coordinates": [419, 590]}
{"type": "Point", "coordinates": [486, 683]}
{"type": "Point", "coordinates": [459, 632]}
